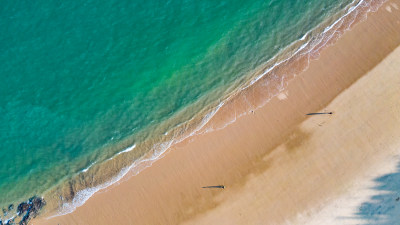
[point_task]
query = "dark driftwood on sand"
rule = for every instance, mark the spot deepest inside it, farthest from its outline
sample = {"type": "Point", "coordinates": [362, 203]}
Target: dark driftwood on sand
{"type": "Point", "coordinates": [218, 186]}
{"type": "Point", "coordinates": [310, 114]}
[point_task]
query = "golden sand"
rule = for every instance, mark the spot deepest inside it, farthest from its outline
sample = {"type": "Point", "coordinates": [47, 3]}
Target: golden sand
{"type": "Point", "coordinates": [276, 163]}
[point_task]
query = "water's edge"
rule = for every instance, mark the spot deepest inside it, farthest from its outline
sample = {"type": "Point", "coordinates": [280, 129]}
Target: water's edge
{"type": "Point", "coordinates": [268, 80]}
{"type": "Point", "coordinates": [297, 56]}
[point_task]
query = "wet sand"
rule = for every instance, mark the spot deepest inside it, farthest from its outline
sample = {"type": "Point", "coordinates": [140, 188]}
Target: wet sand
{"type": "Point", "coordinates": [277, 164]}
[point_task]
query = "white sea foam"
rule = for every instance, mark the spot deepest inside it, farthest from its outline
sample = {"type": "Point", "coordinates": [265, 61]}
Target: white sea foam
{"type": "Point", "coordinates": [320, 40]}
{"type": "Point", "coordinates": [304, 37]}
{"type": "Point", "coordinates": [159, 149]}
{"type": "Point", "coordinates": [82, 196]}
{"type": "Point", "coordinates": [128, 149]}
{"type": "Point", "coordinates": [87, 168]}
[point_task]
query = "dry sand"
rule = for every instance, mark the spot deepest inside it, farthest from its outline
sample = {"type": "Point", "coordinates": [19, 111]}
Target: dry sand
{"type": "Point", "coordinates": [278, 165]}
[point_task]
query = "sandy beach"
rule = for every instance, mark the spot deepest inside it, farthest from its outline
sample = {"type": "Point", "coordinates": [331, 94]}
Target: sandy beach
{"type": "Point", "coordinates": [278, 165]}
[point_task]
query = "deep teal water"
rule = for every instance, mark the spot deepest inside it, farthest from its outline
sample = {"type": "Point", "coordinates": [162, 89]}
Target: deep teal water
{"type": "Point", "coordinates": [78, 76]}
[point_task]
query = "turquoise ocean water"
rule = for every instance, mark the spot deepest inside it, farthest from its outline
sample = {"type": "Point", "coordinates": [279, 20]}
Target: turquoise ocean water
{"type": "Point", "coordinates": [84, 80]}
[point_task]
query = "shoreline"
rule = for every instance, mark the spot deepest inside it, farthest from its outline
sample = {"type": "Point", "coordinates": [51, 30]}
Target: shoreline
{"type": "Point", "coordinates": [231, 178]}
{"type": "Point", "coordinates": [296, 56]}
{"type": "Point", "coordinates": [72, 193]}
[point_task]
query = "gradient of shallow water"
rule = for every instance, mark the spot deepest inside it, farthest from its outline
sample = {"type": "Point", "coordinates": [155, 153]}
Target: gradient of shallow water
{"type": "Point", "coordinates": [84, 80]}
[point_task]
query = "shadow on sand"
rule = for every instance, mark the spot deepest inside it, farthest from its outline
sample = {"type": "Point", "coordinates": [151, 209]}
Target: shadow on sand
{"type": "Point", "coordinates": [383, 208]}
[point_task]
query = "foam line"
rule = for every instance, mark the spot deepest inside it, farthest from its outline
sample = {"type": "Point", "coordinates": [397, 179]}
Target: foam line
{"type": "Point", "coordinates": [159, 149]}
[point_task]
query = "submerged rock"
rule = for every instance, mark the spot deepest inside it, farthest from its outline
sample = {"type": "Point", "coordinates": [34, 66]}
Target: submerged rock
{"type": "Point", "coordinates": [30, 209]}
{"type": "Point", "coordinates": [24, 221]}
{"type": "Point", "coordinates": [25, 211]}
{"type": "Point", "coordinates": [22, 208]}
{"type": "Point", "coordinates": [37, 204]}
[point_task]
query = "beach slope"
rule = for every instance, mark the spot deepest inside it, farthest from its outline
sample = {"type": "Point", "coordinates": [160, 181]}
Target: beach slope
{"type": "Point", "coordinates": [277, 164]}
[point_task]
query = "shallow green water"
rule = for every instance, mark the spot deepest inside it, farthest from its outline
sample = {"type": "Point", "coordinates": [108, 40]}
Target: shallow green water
{"type": "Point", "coordinates": [80, 76]}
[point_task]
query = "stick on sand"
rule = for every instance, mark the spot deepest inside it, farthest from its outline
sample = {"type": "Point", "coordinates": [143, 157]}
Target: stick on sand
{"type": "Point", "coordinates": [218, 186]}
{"type": "Point", "coordinates": [310, 114]}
